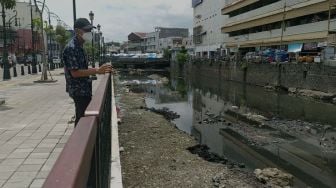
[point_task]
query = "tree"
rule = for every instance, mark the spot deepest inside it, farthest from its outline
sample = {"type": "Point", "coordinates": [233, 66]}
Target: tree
{"type": "Point", "coordinates": [182, 56]}
{"type": "Point", "coordinates": [167, 53]}
{"type": "Point", "coordinates": [62, 37]}
{"type": "Point", "coordinates": [44, 76]}
{"type": "Point", "coordinates": [88, 49]}
{"type": "Point", "coordinates": [6, 4]}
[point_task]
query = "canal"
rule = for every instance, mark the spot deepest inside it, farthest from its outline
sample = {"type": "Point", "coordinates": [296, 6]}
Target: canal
{"type": "Point", "coordinates": [248, 124]}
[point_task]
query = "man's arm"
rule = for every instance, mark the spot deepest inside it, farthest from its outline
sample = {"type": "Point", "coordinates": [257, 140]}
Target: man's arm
{"type": "Point", "coordinates": [91, 71]}
{"type": "Point", "coordinates": [83, 73]}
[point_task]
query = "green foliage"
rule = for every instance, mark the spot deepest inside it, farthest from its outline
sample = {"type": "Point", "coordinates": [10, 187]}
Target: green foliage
{"type": "Point", "coordinates": [9, 4]}
{"type": "Point", "coordinates": [183, 50]}
{"type": "Point", "coordinates": [167, 53]}
{"type": "Point", "coordinates": [62, 36]}
{"type": "Point", "coordinates": [88, 49]}
{"type": "Point", "coordinates": [182, 56]}
{"type": "Point", "coordinates": [37, 22]}
{"type": "Point", "coordinates": [181, 87]}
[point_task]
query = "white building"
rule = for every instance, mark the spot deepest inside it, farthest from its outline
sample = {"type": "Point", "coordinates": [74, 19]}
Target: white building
{"type": "Point", "coordinates": [23, 21]}
{"type": "Point", "coordinates": [163, 38]}
{"type": "Point", "coordinates": [269, 23]}
{"type": "Point", "coordinates": [151, 41]}
{"type": "Point", "coordinates": [207, 25]}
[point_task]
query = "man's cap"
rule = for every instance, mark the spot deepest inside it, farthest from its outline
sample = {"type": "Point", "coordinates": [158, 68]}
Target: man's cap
{"type": "Point", "coordinates": [84, 24]}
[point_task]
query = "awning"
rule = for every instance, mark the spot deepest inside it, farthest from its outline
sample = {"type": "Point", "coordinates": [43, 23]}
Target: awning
{"type": "Point", "coordinates": [295, 47]}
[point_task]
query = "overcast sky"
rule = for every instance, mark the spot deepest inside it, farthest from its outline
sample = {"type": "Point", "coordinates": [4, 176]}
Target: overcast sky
{"type": "Point", "coordinates": [121, 17]}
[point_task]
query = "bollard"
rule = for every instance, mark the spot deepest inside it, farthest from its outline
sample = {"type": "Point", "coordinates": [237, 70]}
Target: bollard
{"type": "Point", "coordinates": [39, 68]}
{"type": "Point", "coordinates": [29, 69]}
{"type": "Point", "coordinates": [14, 71]}
{"type": "Point", "coordinates": [22, 70]}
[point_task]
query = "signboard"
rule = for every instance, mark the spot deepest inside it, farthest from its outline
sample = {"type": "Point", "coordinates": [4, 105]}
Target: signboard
{"type": "Point", "coordinates": [196, 2]}
{"type": "Point", "coordinates": [295, 47]}
{"type": "Point", "coordinates": [310, 46]}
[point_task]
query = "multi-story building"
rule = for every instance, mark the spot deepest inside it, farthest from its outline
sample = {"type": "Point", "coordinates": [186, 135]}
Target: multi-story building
{"type": "Point", "coordinates": [20, 35]}
{"type": "Point", "coordinates": [270, 23]}
{"type": "Point", "coordinates": [172, 32]}
{"type": "Point", "coordinates": [207, 25]}
{"type": "Point", "coordinates": [136, 42]}
{"type": "Point", "coordinates": [161, 37]}
{"type": "Point", "coordinates": [156, 41]}
{"type": "Point", "coordinates": [151, 42]}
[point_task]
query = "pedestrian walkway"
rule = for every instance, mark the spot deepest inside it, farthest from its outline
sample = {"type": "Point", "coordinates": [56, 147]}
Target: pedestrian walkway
{"type": "Point", "coordinates": [18, 70]}
{"type": "Point", "coordinates": [34, 127]}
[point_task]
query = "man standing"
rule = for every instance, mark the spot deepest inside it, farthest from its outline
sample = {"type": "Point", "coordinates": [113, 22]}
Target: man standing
{"type": "Point", "coordinates": [77, 72]}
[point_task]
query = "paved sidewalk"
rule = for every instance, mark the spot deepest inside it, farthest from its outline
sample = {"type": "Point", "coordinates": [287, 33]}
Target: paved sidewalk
{"type": "Point", "coordinates": [33, 129]}
{"type": "Point", "coordinates": [18, 70]}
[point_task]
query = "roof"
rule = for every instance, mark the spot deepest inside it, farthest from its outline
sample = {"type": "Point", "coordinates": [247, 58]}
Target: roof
{"type": "Point", "coordinates": [140, 34]}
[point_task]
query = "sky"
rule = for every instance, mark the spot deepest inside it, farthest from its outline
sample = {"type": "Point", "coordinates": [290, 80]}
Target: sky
{"type": "Point", "coordinates": [118, 18]}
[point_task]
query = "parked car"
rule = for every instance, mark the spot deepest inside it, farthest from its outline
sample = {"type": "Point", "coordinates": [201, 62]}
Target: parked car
{"type": "Point", "coordinates": [56, 60]}
{"type": "Point", "coordinates": [21, 60]}
{"type": "Point", "coordinates": [253, 57]}
{"type": "Point", "coordinates": [29, 59]}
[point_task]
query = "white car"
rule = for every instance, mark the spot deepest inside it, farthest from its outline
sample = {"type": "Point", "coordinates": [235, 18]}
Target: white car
{"type": "Point", "coordinates": [56, 60]}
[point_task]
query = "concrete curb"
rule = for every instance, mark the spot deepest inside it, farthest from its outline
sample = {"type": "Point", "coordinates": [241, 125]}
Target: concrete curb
{"type": "Point", "coordinates": [116, 177]}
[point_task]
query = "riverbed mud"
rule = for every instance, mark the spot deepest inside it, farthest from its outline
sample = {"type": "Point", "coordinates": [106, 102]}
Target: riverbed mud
{"type": "Point", "coordinates": [154, 153]}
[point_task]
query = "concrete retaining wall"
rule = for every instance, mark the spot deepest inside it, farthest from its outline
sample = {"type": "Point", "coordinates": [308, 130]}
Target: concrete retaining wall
{"type": "Point", "coordinates": [306, 76]}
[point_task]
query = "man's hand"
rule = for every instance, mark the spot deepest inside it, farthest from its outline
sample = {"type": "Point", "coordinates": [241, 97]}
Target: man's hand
{"type": "Point", "coordinates": [104, 69]}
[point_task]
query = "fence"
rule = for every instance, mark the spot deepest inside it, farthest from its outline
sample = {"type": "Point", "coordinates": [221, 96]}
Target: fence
{"type": "Point", "coordinates": [86, 157]}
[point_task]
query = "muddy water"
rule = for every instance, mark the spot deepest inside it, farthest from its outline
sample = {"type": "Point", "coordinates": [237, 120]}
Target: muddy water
{"type": "Point", "coordinates": [299, 137]}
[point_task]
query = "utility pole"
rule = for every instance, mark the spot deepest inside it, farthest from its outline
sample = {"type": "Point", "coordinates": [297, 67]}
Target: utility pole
{"type": "Point", "coordinates": [52, 66]}
{"type": "Point", "coordinates": [283, 23]}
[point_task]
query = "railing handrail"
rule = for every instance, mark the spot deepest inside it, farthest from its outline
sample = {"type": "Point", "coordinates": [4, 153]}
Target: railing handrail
{"type": "Point", "coordinates": [73, 165]}
{"type": "Point", "coordinates": [97, 102]}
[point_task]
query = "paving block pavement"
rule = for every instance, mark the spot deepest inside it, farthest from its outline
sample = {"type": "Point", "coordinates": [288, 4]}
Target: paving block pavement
{"type": "Point", "coordinates": [34, 127]}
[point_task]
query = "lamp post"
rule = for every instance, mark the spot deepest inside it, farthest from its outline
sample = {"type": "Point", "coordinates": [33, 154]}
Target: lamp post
{"type": "Point", "coordinates": [91, 15]}
{"type": "Point", "coordinates": [99, 50]}
{"type": "Point", "coordinates": [103, 50]}
{"type": "Point", "coordinates": [6, 74]}
{"type": "Point", "coordinates": [10, 21]}
{"type": "Point", "coordinates": [34, 63]}
{"type": "Point", "coordinates": [74, 10]}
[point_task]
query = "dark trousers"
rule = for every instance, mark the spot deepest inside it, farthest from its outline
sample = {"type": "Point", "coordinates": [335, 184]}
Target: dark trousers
{"type": "Point", "coordinates": [81, 104]}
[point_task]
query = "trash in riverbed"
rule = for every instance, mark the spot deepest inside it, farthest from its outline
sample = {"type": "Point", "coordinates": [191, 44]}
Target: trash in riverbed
{"type": "Point", "coordinates": [138, 82]}
{"type": "Point", "coordinates": [169, 115]}
{"type": "Point", "coordinates": [274, 177]}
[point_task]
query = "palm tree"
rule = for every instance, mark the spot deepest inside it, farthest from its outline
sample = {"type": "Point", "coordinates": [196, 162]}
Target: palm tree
{"type": "Point", "coordinates": [6, 4]}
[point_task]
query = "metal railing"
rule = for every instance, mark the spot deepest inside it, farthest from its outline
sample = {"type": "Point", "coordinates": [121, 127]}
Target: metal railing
{"type": "Point", "coordinates": [86, 158]}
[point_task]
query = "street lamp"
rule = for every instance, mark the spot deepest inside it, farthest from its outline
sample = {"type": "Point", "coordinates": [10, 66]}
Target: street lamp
{"type": "Point", "coordinates": [34, 60]}
{"type": "Point", "coordinates": [6, 74]}
{"type": "Point", "coordinates": [99, 51]}
{"type": "Point", "coordinates": [74, 10]}
{"type": "Point", "coordinates": [10, 21]}
{"type": "Point", "coordinates": [91, 15]}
